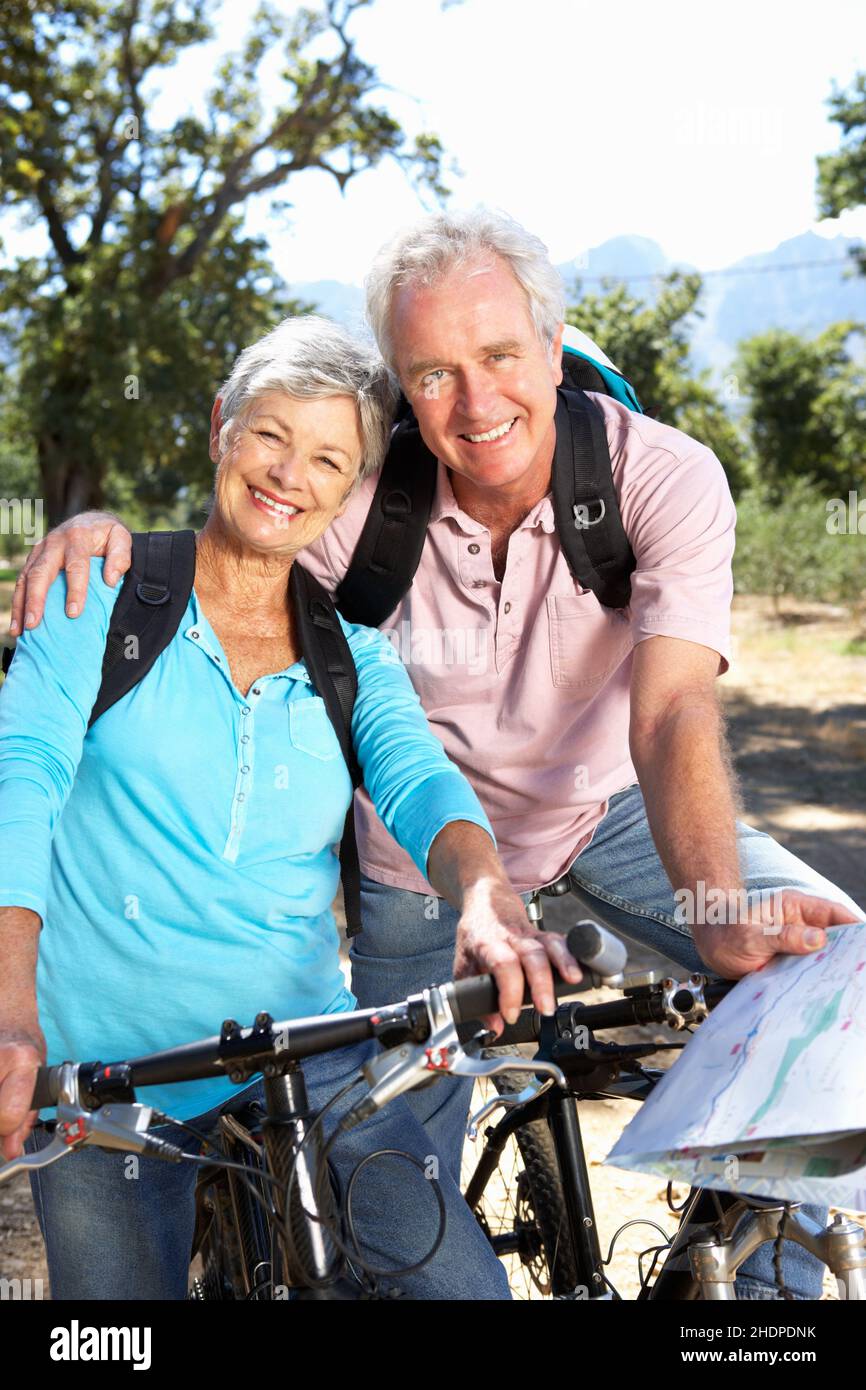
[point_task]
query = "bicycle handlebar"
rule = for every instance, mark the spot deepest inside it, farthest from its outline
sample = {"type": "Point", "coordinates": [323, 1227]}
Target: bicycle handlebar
{"type": "Point", "coordinates": [469, 999]}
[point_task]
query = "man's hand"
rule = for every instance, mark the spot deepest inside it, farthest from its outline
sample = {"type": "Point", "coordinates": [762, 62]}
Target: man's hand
{"type": "Point", "coordinates": [791, 923]}
{"type": "Point", "coordinates": [22, 1051]}
{"type": "Point", "coordinates": [495, 937]}
{"type": "Point", "coordinates": [71, 547]}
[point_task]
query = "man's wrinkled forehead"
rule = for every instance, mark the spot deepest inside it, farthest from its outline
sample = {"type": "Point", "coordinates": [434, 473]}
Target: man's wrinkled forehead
{"type": "Point", "coordinates": [481, 301]}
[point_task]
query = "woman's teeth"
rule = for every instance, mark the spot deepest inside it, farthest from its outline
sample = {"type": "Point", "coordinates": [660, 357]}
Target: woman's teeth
{"type": "Point", "coordinates": [496, 433]}
{"type": "Point", "coordinates": [282, 507]}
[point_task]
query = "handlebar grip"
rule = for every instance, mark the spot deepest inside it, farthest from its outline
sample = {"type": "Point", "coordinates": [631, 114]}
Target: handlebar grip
{"type": "Point", "coordinates": [589, 943]}
{"type": "Point", "coordinates": [47, 1087]}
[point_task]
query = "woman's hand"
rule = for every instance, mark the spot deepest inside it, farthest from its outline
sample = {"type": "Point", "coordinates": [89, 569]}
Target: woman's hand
{"type": "Point", "coordinates": [495, 937]}
{"type": "Point", "coordinates": [22, 1052]}
{"type": "Point", "coordinates": [70, 546]}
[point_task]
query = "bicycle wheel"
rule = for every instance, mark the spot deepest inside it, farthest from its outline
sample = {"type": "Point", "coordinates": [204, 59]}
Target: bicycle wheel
{"type": "Point", "coordinates": [519, 1205]}
{"type": "Point", "coordinates": [217, 1246]}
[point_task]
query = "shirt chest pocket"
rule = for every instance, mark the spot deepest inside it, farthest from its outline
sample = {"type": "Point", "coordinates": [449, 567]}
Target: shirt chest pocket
{"type": "Point", "coordinates": [311, 731]}
{"type": "Point", "coordinates": [587, 642]}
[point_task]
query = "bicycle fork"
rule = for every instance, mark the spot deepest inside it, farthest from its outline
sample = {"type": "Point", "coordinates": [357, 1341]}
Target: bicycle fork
{"type": "Point", "coordinates": [562, 1118]}
{"type": "Point", "coordinates": [309, 1254]}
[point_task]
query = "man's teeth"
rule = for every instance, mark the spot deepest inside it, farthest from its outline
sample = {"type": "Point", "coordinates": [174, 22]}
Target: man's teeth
{"type": "Point", "coordinates": [496, 433]}
{"type": "Point", "coordinates": [277, 506]}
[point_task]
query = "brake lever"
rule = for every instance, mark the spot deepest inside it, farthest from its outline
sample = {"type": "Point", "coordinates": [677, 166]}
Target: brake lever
{"type": "Point", "coordinates": [392, 1073]}
{"type": "Point", "coordinates": [117, 1126]}
{"type": "Point", "coordinates": [508, 1102]}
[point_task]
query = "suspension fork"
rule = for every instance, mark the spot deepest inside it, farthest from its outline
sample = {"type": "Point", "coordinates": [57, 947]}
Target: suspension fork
{"type": "Point", "coordinates": [565, 1130]}
{"type": "Point", "coordinates": [289, 1146]}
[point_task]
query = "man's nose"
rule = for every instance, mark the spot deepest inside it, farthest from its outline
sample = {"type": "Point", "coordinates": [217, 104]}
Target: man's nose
{"type": "Point", "coordinates": [475, 396]}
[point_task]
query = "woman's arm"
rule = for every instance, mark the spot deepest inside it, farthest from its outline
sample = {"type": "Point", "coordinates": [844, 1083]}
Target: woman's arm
{"type": "Point", "coordinates": [45, 705]}
{"type": "Point", "coordinates": [431, 810]}
{"type": "Point", "coordinates": [22, 1046]}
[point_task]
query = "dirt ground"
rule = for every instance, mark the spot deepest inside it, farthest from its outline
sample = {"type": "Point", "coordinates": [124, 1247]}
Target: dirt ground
{"type": "Point", "coordinates": [796, 703]}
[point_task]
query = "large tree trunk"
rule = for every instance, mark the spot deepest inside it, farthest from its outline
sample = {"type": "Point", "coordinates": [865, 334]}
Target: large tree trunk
{"type": "Point", "coordinates": [70, 475]}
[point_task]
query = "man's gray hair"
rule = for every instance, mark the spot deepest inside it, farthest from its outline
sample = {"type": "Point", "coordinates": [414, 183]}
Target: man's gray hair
{"type": "Point", "coordinates": [424, 252]}
{"type": "Point", "coordinates": [309, 357]}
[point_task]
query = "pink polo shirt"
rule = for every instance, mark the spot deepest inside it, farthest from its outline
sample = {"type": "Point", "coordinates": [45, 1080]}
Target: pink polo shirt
{"type": "Point", "coordinates": [526, 682]}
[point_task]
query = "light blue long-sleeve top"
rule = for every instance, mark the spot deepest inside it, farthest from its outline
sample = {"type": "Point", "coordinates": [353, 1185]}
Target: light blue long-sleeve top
{"type": "Point", "coordinates": [182, 852]}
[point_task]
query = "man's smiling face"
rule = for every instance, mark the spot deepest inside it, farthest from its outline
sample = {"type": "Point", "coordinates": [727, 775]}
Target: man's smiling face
{"type": "Point", "coordinates": [481, 383]}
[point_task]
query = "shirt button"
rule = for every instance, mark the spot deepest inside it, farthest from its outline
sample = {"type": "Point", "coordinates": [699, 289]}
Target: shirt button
{"type": "Point", "coordinates": [244, 769]}
{"type": "Point", "coordinates": [478, 583]}
{"type": "Point", "coordinates": [508, 608]}
{"type": "Point", "coordinates": [245, 738]}
{"type": "Point", "coordinates": [216, 658]}
{"type": "Point", "coordinates": [474, 549]}
{"type": "Point", "coordinates": [257, 691]}
{"type": "Point", "coordinates": [195, 635]}
{"type": "Point", "coordinates": [240, 796]}
{"type": "Point", "coordinates": [245, 710]}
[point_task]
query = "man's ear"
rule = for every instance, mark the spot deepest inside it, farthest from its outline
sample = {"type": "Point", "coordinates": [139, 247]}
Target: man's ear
{"type": "Point", "coordinates": [556, 355]}
{"type": "Point", "coordinates": [216, 424]}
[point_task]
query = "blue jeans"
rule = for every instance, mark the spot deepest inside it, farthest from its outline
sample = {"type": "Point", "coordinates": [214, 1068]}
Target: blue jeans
{"type": "Point", "coordinates": [122, 1228]}
{"type": "Point", "coordinates": [408, 943]}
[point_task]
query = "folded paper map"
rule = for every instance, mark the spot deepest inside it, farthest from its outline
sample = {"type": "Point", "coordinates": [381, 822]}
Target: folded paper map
{"type": "Point", "coordinates": [769, 1096]}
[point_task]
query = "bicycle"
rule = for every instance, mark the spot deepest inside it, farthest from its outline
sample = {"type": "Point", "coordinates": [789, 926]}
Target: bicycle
{"type": "Point", "coordinates": [545, 1229]}
{"type": "Point", "coordinates": [272, 1222]}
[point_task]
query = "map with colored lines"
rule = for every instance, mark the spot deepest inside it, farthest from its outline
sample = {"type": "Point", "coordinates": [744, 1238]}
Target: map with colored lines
{"type": "Point", "coordinates": [769, 1096]}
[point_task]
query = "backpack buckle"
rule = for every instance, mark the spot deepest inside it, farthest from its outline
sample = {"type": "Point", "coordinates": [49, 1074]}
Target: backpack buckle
{"type": "Point", "coordinates": [152, 594]}
{"type": "Point", "coordinates": [397, 504]}
{"type": "Point", "coordinates": [582, 518]}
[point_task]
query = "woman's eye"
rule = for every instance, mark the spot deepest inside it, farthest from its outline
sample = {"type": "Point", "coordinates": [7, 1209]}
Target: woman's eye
{"type": "Point", "coordinates": [267, 434]}
{"type": "Point", "coordinates": [330, 463]}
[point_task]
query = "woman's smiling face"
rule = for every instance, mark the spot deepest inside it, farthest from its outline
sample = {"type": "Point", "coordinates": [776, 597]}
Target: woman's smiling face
{"type": "Point", "coordinates": [287, 471]}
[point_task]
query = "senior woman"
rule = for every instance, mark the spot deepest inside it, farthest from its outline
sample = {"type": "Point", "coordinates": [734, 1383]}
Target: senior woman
{"type": "Point", "coordinates": [175, 862]}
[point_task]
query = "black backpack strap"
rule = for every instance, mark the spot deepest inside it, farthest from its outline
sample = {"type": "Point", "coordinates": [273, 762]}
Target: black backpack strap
{"type": "Point", "coordinates": [329, 660]}
{"type": "Point", "coordinates": [585, 504]}
{"type": "Point", "coordinates": [8, 653]}
{"type": "Point", "coordinates": [151, 603]}
{"type": "Point", "coordinates": [389, 548]}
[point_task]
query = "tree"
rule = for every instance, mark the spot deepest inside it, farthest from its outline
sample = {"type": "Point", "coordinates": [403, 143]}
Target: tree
{"type": "Point", "coordinates": [806, 408]}
{"type": "Point", "coordinates": [649, 342]}
{"type": "Point", "coordinates": [149, 288]}
{"type": "Point", "coordinates": [842, 175]}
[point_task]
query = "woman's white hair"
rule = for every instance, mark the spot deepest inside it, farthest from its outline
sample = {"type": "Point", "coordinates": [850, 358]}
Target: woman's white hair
{"type": "Point", "coordinates": [309, 357]}
{"type": "Point", "coordinates": [427, 250]}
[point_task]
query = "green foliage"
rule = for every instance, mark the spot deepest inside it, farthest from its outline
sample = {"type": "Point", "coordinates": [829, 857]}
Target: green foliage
{"type": "Point", "coordinates": [784, 546]}
{"type": "Point", "coordinates": [805, 408]}
{"type": "Point", "coordinates": [649, 342]}
{"type": "Point", "coordinates": [123, 332]}
{"type": "Point", "coordinates": [842, 175]}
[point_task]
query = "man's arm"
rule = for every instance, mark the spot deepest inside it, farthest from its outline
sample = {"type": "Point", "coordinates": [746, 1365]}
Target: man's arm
{"type": "Point", "coordinates": [678, 749]}
{"type": "Point", "coordinates": [70, 546]}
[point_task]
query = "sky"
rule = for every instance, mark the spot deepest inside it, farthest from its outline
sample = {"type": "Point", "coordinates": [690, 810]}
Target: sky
{"type": "Point", "coordinates": [695, 126]}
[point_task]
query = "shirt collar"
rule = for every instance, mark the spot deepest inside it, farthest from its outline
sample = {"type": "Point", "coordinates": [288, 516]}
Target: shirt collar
{"type": "Point", "coordinates": [445, 505]}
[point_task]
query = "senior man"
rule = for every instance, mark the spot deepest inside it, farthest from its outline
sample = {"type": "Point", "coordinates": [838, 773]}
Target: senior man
{"type": "Point", "coordinates": [592, 736]}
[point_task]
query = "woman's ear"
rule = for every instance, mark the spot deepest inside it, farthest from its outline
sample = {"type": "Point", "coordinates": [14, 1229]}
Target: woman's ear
{"type": "Point", "coordinates": [216, 424]}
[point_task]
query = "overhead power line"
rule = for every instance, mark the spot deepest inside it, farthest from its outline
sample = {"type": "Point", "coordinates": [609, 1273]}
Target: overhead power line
{"type": "Point", "coordinates": [731, 270]}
